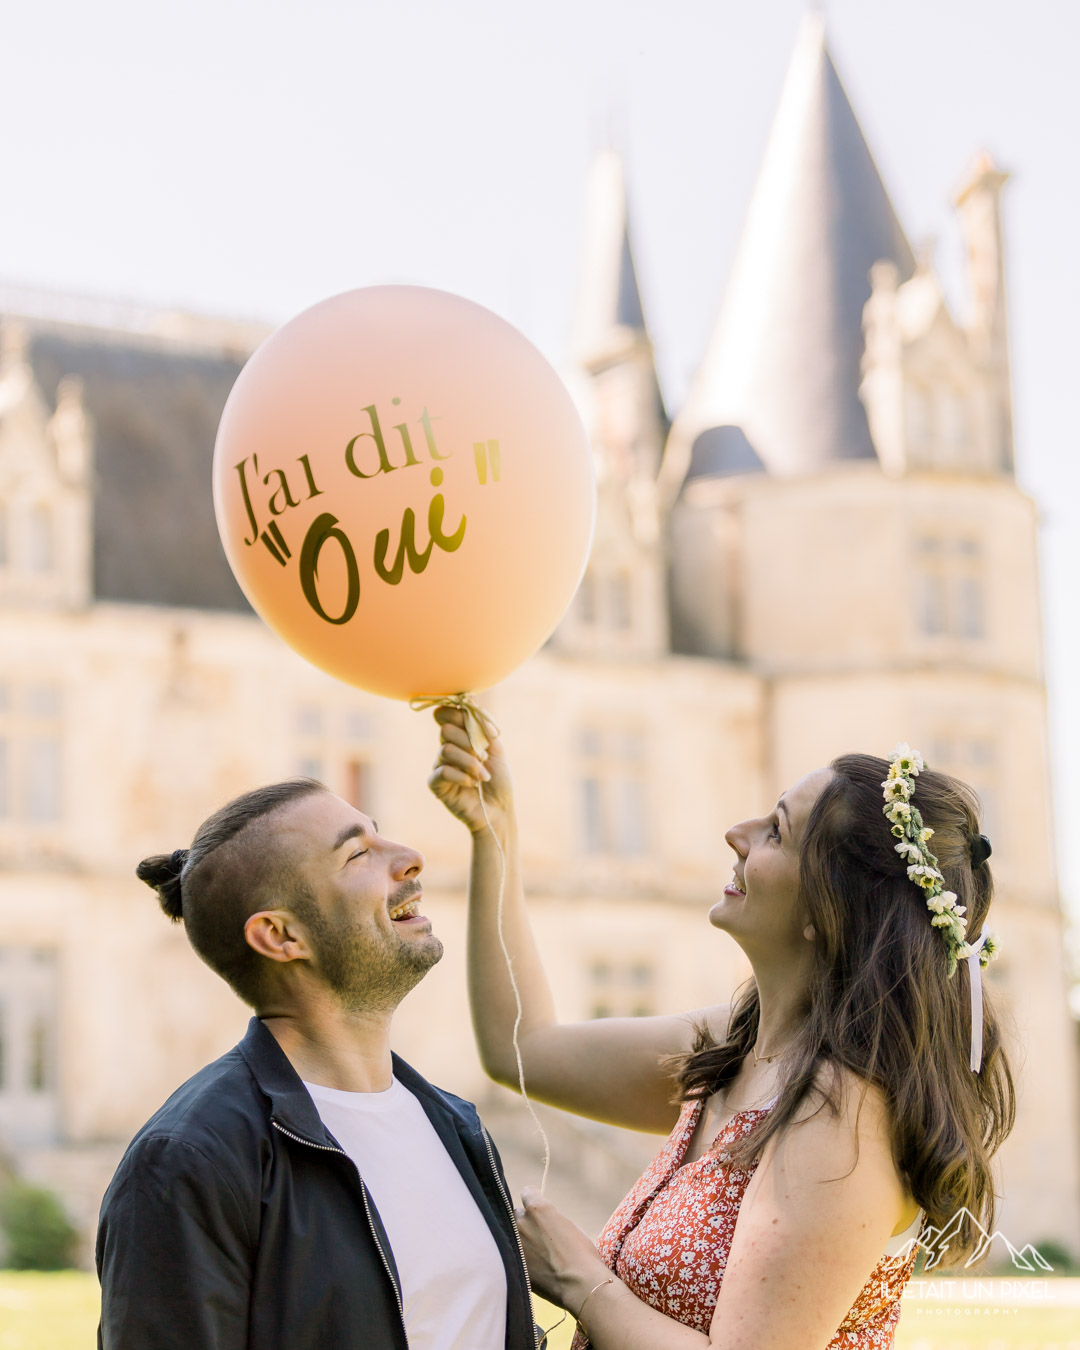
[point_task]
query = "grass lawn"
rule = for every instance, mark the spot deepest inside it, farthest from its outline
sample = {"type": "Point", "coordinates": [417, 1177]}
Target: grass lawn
{"type": "Point", "coordinates": [48, 1310]}
{"type": "Point", "coordinates": [59, 1311]}
{"type": "Point", "coordinates": [1000, 1329]}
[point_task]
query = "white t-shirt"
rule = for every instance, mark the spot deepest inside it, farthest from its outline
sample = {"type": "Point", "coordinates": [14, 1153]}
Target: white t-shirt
{"type": "Point", "coordinates": [453, 1282]}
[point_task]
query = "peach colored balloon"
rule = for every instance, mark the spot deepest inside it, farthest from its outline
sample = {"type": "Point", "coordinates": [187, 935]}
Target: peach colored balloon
{"type": "Point", "coordinates": [404, 490]}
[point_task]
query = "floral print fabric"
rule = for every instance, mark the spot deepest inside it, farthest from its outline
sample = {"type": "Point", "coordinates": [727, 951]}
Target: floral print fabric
{"type": "Point", "coordinates": [669, 1239]}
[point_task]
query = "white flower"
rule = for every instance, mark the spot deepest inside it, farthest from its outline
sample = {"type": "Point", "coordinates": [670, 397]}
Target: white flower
{"type": "Point", "coordinates": [991, 949]}
{"type": "Point", "coordinates": [897, 789]}
{"type": "Point", "coordinates": [911, 761]}
{"type": "Point", "coordinates": [898, 812]}
{"type": "Point", "coordinates": [924, 876]}
{"type": "Point", "coordinates": [906, 850]}
{"type": "Point", "coordinates": [936, 904]}
{"type": "Point", "coordinates": [948, 900]}
{"type": "Point", "coordinates": [963, 951]}
{"type": "Point", "coordinates": [942, 921]}
{"type": "Point", "coordinates": [926, 834]}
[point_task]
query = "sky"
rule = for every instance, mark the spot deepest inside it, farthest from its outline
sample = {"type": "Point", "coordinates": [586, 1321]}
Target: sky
{"type": "Point", "coordinates": [248, 159]}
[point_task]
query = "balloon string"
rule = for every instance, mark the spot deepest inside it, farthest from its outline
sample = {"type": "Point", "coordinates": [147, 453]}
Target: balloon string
{"type": "Point", "coordinates": [474, 720]}
{"type": "Point", "coordinates": [554, 1327]}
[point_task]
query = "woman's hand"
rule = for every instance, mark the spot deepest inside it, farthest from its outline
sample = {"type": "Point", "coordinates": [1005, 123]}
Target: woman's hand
{"type": "Point", "coordinates": [459, 775]}
{"type": "Point", "coordinates": [563, 1264]}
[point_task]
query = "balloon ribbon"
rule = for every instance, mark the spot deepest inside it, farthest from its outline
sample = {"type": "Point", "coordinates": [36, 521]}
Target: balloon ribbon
{"type": "Point", "coordinates": [476, 723]}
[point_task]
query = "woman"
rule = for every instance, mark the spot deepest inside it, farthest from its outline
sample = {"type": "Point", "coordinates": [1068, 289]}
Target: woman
{"type": "Point", "coordinates": [832, 1107]}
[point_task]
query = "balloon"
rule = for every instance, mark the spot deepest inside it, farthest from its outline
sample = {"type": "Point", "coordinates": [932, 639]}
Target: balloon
{"type": "Point", "coordinates": [404, 490]}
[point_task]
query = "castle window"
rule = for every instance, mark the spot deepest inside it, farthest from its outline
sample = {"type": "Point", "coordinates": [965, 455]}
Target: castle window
{"type": "Point", "coordinates": [5, 756]}
{"type": "Point", "coordinates": [358, 784]}
{"type": "Point", "coordinates": [971, 758]}
{"type": "Point", "coordinates": [612, 777]}
{"type": "Point", "coordinates": [620, 987]}
{"type": "Point", "coordinates": [42, 754]}
{"type": "Point", "coordinates": [43, 780]}
{"type": "Point", "coordinates": [31, 754]}
{"type": "Point", "coordinates": [39, 539]}
{"type": "Point", "coordinates": [29, 1103]}
{"type": "Point", "coordinates": [334, 747]}
{"type": "Point", "coordinates": [948, 584]}
{"type": "Point", "coordinates": [309, 721]}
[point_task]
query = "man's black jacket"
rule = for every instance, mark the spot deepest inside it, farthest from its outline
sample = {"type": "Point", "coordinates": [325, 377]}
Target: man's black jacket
{"type": "Point", "coordinates": [235, 1222]}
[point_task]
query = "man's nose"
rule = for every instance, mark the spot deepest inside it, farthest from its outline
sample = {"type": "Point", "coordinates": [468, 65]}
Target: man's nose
{"type": "Point", "coordinates": [407, 862]}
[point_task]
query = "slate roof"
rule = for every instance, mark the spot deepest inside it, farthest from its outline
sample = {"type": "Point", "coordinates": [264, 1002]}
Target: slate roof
{"type": "Point", "coordinates": [155, 408]}
{"type": "Point", "coordinates": [784, 360]}
{"type": "Point", "coordinates": [628, 311]}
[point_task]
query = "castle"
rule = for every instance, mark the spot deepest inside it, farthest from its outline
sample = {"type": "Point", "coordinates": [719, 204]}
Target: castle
{"type": "Point", "coordinates": [825, 549]}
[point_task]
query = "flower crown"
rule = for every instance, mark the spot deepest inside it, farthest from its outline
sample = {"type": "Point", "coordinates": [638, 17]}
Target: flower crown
{"type": "Point", "coordinates": [905, 765]}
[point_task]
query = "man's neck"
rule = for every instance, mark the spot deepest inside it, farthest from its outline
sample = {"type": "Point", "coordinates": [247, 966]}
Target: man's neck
{"type": "Point", "coordinates": [335, 1049]}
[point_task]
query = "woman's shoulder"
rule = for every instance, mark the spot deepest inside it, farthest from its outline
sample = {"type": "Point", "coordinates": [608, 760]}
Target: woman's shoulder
{"type": "Point", "coordinates": [843, 1101]}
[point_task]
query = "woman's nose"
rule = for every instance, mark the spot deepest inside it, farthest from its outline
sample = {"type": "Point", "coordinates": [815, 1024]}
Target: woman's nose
{"type": "Point", "coordinates": [736, 839]}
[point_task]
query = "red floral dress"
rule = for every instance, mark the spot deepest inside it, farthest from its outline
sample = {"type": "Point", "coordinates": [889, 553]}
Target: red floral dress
{"type": "Point", "coordinates": [669, 1239]}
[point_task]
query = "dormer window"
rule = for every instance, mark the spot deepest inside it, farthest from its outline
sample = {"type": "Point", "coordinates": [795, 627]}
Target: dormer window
{"type": "Point", "coordinates": [586, 599]}
{"type": "Point", "coordinates": [948, 577]}
{"type": "Point", "coordinates": [622, 612]}
{"type": "Point", "coordinates": [39, 539]}
{"type": "Point", "coordinates": [605, 600]}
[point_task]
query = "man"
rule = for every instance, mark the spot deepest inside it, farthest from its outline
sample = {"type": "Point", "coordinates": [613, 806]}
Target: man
{"type": "Point", "coordinates": [308, 1190]}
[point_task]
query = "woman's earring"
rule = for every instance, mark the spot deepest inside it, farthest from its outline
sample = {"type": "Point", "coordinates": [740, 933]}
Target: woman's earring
{"type": "Point", "coordinates": [808, 932]}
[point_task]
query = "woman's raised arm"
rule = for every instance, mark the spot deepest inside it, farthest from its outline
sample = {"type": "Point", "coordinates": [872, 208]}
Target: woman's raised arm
{"type": "Point", "coordinates": [608, 1069]}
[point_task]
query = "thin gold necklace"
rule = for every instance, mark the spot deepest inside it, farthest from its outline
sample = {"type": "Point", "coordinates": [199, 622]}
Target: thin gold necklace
{"type": "Point", "coordinates": [764, 1059]}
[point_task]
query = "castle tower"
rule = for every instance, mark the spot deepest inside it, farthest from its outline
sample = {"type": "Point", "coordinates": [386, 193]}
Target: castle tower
{"type": "Point", "coordinates": [621, 605]}
{"type": "Point", "coordinates": [845, 523]}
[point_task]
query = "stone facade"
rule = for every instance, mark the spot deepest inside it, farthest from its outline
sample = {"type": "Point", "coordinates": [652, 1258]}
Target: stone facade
{"type": "Point", "coordinates": [752, 608]}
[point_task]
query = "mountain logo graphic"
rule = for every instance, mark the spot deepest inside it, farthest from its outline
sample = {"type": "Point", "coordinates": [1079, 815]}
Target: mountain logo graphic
{"type": "Point", "coordinates": [937, 1242]}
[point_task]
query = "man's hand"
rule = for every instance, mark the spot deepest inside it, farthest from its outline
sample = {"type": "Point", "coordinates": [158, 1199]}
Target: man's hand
{"type": "Point", "coordinates": [459, 776]}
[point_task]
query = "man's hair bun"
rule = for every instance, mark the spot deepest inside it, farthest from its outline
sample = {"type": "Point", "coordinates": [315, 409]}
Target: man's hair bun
{"type": "Point", "coordinates": [162, 872]}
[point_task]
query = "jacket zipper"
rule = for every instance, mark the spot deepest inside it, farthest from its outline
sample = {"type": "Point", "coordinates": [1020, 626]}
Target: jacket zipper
{"type": "Point", "coordinates": [327, 1148]}
{"type": "Point", "coordinates": [513, 1225]}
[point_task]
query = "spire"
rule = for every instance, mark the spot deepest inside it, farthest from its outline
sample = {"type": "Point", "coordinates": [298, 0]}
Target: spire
{"type": "Point", "coordinates": [782, 366]}
{"type": "Point", "coordinates": [979, 204]}
{"type": "Point", "coordinates": [609, 319]}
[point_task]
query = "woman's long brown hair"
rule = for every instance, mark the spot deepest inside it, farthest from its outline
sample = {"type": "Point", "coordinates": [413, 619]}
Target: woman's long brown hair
{"type": "Point", "coordinates": [880, 1003]}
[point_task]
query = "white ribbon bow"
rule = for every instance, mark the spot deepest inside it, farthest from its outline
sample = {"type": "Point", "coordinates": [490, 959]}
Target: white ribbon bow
{"type": "Point", "coordinates": [975, 985]}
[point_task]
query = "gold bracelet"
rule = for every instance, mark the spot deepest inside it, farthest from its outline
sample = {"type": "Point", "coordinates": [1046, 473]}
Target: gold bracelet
{"type": "Point", "coordinates": [609, 1280]}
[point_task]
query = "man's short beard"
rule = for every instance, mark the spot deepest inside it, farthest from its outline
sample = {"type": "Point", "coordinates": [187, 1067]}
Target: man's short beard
{"type": "Point", "coordinates": [366, 975]}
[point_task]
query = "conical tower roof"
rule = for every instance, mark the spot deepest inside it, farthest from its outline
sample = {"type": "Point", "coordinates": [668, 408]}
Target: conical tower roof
{"type": "Point", "coordinates": [782, 366]}
{"type": "Point", "coordinates": [609, 315]}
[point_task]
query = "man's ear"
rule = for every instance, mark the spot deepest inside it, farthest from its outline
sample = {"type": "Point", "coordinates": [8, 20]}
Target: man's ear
{"type": "Point", "coordinates": [275, 934]}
